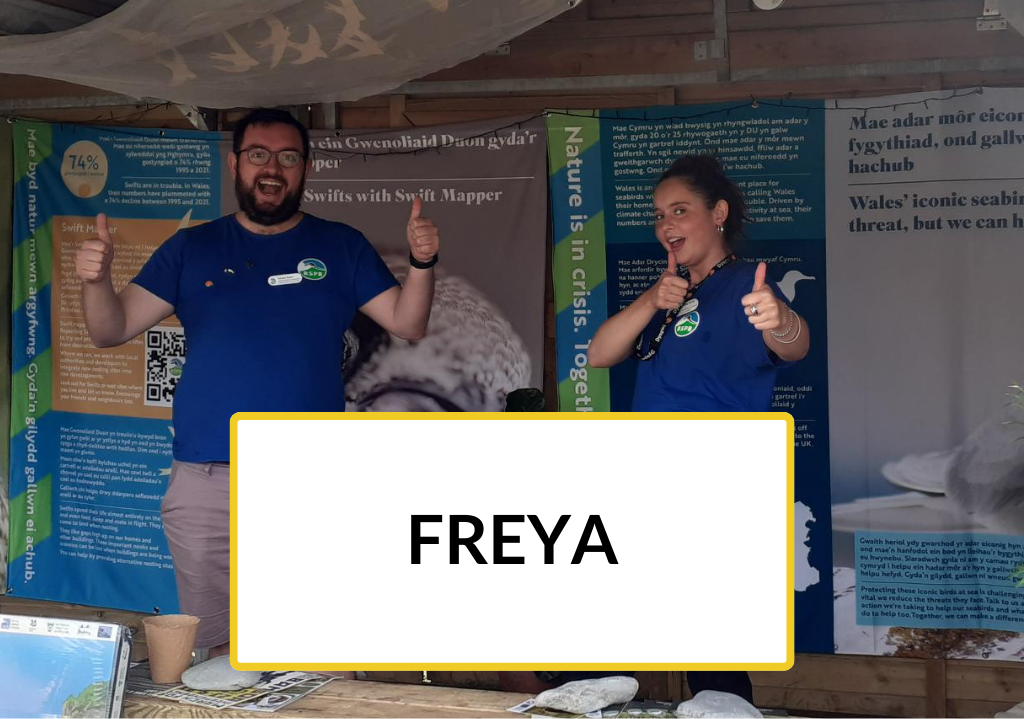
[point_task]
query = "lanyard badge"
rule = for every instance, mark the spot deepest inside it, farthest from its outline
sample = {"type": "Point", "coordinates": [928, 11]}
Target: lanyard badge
{"type": "Point", "coordinates": [686, 312]}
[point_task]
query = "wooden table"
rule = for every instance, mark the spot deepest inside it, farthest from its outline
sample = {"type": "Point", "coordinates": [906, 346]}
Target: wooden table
{"type": "Point", "coordinates": [350, 698]}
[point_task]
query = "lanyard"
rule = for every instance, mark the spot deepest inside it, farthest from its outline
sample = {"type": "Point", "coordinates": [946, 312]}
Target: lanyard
{"type": "Point", "coordinates": [670, 315]}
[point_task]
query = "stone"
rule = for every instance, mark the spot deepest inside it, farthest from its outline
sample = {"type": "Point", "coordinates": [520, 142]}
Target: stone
{"type": "Point", "coordinates": [218, 674]}
{"type": "Point", "coordinates": [589, 695]}
{"type": "Point", "coordinates": [717, 705]}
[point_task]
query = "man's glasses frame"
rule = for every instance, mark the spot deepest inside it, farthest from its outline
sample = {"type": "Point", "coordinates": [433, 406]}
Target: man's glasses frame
{"type": "Point", "coordinates": [260, 156]}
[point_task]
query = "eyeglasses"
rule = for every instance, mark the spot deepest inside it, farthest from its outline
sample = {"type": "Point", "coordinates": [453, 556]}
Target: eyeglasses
{"type": "Point", "coordinates": [261, 156]}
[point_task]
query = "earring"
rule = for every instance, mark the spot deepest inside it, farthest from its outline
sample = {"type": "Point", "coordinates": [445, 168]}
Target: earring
{"type": "Point", "coordinates": [721, 229]}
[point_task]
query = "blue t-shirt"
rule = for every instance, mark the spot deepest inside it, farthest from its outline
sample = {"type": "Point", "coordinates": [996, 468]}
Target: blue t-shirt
{"type": "Point", "coordinates": [720, 363]}
{"type": "Point", "coordinates": [254, 346]}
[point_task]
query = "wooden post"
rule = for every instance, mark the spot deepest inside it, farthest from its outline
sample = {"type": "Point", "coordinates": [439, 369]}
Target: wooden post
{"type": "Point", "coordinates": [301, 113]}
{"type": "Point", "coordinates": [396, 111]}
{"type": "Point", "coordinates": [675, 686]}
{"type": "Point", "coordinates": [324, 116]}
{"type": "Point", "coordinates": [935, 687]}
{"type": "Point", "coordinates": [721, 16]}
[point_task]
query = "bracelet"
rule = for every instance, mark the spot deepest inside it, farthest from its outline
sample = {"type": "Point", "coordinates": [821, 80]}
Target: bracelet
{"type": "Point", "coordinates": [422, 265]}
{"type": "Point", "coordinates": [780, 335]}
{"type": "Point", "coordinates": [799, 327]}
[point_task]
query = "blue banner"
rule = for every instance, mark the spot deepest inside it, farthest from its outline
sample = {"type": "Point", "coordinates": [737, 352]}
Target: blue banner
{"type": "Point", "coordinates": [604, 166]}
{"type": "Point", "coordinates": [90, 428]}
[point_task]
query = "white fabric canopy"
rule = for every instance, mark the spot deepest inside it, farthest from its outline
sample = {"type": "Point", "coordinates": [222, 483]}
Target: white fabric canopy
{"type": "Point", "coordinates": [239, 53]}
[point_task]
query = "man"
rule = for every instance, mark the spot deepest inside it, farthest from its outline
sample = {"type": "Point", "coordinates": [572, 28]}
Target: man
{"type": "Point", "coordinates": [264, 296]}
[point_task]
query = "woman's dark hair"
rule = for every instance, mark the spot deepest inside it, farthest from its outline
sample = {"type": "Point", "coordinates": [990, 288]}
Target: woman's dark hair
{"type": "Point", "coordinates": [268, 116]}
{"type": "Point", "coordinates": [704, 176]}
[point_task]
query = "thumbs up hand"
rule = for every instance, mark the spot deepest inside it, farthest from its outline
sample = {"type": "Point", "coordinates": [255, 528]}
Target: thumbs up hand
{"type": "Point", "coordinates": [762, 308]}
{"type": "Point", "coordinates": [92, 261]}
{"type": "Point", "coordinates": [670, 289]}
{"type": "Point", "coordinates": [423, 236]}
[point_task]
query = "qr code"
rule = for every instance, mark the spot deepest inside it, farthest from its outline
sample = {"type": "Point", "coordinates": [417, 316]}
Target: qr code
{"type": "Point", "coordinates": [165, 361]}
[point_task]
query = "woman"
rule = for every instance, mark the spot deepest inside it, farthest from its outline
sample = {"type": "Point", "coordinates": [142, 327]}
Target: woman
{"type": "Point", "coordinates": [713, 339]}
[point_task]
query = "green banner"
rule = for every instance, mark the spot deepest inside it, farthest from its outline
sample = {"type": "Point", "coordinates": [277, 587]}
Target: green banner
{"type": "Point", "coordinates": [579, 263]}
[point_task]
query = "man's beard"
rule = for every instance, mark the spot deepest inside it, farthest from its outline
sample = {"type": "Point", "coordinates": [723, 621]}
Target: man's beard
{"type": "Point", "coordinates": [271, 215]}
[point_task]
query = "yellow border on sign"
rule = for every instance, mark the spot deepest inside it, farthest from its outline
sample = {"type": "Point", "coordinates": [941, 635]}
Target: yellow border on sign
{"type": "Point", "coordinates": [506, 417]}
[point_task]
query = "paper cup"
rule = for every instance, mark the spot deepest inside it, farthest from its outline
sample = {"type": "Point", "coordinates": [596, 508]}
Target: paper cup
{"type": "Point", "coordinates": [170, 639]}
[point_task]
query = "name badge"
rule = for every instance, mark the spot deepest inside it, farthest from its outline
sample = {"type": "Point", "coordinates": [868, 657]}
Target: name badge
{"type": "Point", "coordinates": [292, 278]}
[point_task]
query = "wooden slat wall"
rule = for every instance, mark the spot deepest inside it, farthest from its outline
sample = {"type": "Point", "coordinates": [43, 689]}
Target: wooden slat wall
{"type": "Point", "coordinates": [614, 37]}
{"type": "Point", "coordinates": [825, 44]}
{"type": "Point", "coordinates": [892, 686]}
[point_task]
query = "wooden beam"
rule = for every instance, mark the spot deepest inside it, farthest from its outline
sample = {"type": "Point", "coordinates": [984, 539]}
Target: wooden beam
{"type": "Point", "coordinates": [630, 27]}
{"type": "Point", "coordinates": [835, 3]}
{"type": "Point", "coordinates": [675, 686]}
{"type": "Point", "coordinates": [324, 116]}
{"type": "Point", "coordinates": [531, 103]}
{"type": "Point", "coordinates": [16, 105]}
{"type": "Point", "coordinates": [564, 85]}
{"type": "Point", "coordinates": [843, 74]}
{"type": "Point", "coordinates": [790, 17]}
{"type": "Point", "coordinates": [396, 112]}
{"type": "Point", "coordinates": [722, 39]}
{"type": "Point", "coordinates": [25, 87]}
{"type": "Point", "coordinates": [647, 8]}
{"type": "Point", "coordinates": [888, 676]}
{"type": "Point", "coordinates": [941, 40]}
{"type": "Point", "coordinates": [302, 113]}
{"type": "Point", "coordinates": [645, 91]}
{"type": "Point", "coordinates": [989, 681]}
{"type": "Point", "coordinates": [580, 12]}
{"type": "Point", "coordinates": [978, 708]}
{"type": "Point", "coordinates": [585, 56]}
{"type": "Point", "coordinates": [853, 703]}
{"type": "Point", "coordinates": [834, 80]}
{"type": "Point", "coordinates": [166, 116]}
{"type": "Point", "coordinates": [935, 687]}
